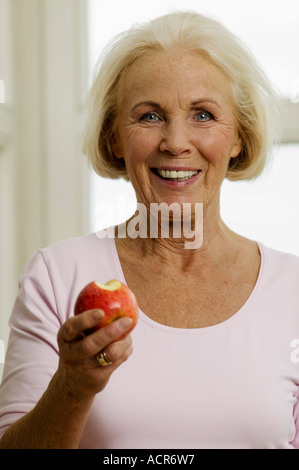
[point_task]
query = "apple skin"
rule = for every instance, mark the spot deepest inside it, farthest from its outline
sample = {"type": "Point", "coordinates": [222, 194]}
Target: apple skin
{"type": "Point", "coordinates": [114, 298]}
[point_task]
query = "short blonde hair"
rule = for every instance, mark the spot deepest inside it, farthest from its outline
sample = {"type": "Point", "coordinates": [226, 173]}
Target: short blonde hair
{"type": "Point", "coordinates": [254, 101]}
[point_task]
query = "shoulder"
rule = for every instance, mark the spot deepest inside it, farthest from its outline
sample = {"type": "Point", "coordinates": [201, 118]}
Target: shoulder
{"type": "Point", "coordinates": [79, 250]}
{"type": "Point", "coordinates": [64, 260]}
{"type": "Point", "coordinates": [280, 270]}
{"type": "Point", "coordinates": [77, 246]}
{"type": "Point", "coordinates": [283, 260]}
{"type": "Point", "coordinates": [58, 272]}
{"type": "Point", "coordinates": [277, 291]}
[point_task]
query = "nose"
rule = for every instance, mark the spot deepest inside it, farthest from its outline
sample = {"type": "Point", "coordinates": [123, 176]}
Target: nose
{"type": "Point", "coordinates": [176, 139]}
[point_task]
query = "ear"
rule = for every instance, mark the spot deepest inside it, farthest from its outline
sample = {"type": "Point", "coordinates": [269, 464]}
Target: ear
{"type": "Point", "coordinates": [115, 146]}
{"type": "Point", "coordinates": [237, 147]}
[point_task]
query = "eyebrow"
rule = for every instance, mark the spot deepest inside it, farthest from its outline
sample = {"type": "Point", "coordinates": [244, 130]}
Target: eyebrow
{"type": "Point", "coordinates": [148, 103]}
{"type": "Point", "coordinates": [193, 103]}
{"type": "Point", "coordinates": [205, 100]}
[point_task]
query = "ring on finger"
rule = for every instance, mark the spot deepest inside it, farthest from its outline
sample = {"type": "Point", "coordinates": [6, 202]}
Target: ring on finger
{"type": "Point", "coordinates": [103, 359]}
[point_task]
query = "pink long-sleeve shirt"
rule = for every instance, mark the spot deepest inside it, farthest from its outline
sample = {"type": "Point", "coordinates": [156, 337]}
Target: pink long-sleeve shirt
{"type": "Point", "coordinates": [232, 385]}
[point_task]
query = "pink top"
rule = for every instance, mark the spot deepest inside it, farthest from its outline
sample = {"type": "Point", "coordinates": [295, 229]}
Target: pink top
{"type": "Point", "coordinates": [232, 385]}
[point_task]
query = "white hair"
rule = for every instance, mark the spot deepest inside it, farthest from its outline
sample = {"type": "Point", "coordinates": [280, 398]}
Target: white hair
{"type": "Point", "coordinates": [254, 101]}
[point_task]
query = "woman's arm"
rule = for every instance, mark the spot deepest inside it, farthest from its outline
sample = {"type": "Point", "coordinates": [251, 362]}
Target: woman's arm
{"type": "Point", "coordinates": [58, 419]}
{"type": "Point", "coordinates": [56, 422]}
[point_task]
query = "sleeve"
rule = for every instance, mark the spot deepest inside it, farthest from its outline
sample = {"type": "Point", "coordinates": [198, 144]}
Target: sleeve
{"type": "Point", "coordinates": [32, 351]}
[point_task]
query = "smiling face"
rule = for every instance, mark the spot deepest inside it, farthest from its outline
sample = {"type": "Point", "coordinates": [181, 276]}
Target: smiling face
{"type": "Point", "coordinates": [176, 129]}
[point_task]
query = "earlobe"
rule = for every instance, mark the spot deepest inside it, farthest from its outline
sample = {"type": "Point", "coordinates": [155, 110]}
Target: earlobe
{"type": "Point", "coordinates": [115, 147]}
{"type": "Point", "coordinates": [237, 147]}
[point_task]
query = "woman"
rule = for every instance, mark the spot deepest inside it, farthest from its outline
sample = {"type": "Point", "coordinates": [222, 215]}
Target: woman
{"type": "Point", "coordinates": [177, 106]}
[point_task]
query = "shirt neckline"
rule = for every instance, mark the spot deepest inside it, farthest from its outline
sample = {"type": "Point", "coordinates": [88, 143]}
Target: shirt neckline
{"type": "Point", "coordinates": [193, 331]}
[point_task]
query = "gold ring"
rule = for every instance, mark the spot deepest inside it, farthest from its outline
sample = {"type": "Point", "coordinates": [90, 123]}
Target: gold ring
{"type": "Point", "coordinates": [102, 359]}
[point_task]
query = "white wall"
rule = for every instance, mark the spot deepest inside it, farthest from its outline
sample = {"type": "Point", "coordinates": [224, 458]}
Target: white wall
{"type": "Point", "coordinates": [43, 176]}
{"type": "Point", "coordinates": [8, 264]}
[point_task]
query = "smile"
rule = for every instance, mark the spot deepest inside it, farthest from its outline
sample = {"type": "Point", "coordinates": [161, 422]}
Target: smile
{"type": "Point", "coordinates": [173, 175]}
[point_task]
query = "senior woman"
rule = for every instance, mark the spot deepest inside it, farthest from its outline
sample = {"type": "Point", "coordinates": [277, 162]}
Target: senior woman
{"type": "Point", "coordinates": [177, 106]}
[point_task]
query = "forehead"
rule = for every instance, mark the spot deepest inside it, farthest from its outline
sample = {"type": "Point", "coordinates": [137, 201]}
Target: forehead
{"type": "Point", "coordinates": [187, 76]}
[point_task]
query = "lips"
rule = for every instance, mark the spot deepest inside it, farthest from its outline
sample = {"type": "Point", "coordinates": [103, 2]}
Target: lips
{"type": "Point", "coordinates": [175, 175]}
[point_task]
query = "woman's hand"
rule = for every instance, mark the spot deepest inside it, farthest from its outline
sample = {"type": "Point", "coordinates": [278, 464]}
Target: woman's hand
{"type": "Point", "coordinates": [79, 369]}
{"type": "Point", "coordinates": [63, 408]}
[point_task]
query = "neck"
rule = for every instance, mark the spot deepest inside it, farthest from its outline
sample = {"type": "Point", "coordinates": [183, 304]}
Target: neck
{"type": "Point", "coordinates": [194, 239]}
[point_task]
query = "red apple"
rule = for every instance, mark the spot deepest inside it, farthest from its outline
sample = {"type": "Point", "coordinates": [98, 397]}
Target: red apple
{"type": "Point", "coordinates": [114, 298]}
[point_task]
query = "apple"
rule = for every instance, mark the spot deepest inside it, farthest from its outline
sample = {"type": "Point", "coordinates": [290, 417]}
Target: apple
{"type": "Point", "coordinates": [114, 298]}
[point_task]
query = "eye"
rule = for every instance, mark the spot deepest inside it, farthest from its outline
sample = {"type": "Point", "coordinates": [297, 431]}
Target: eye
{"type": "Point", "coordinates": [150, 117]}
{"type": "Point", "coordinates": [203, 116]}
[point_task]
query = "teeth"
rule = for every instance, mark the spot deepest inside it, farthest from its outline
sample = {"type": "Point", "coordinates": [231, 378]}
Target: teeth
{"type": "Point", "coordinates": [176, 175]}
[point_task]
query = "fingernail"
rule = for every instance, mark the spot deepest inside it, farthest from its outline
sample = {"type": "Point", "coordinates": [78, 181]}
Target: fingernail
{"type": "Point", "coordinates": [98, 314]}
{"type": "Point", "coordinates": [125, 323]}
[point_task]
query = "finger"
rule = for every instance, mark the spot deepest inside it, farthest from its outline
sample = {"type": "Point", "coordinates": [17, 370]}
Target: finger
{"type": "Point", "coordinates": [103, 337]}
{"type": "Point", "coordinates": [119, 350]}
{"type": "Point", "coordinates": [115, 358]}
{"type": "Point", "coordinates": [81, 348]}
{"type": "Point", "coordinates": [115, 330]}
{"type": "Point", "coordinates": [75, 326]}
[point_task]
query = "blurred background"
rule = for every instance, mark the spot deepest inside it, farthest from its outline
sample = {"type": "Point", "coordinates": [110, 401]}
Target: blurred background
{"type": "Point", "coordinates": [48, 49]}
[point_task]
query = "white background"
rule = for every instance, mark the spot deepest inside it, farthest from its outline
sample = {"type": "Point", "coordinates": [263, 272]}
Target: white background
{"type": "Point", "coordinates": [265, 209]}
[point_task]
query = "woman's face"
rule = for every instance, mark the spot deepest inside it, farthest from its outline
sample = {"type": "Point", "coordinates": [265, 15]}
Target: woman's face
{"type": "Point", "coordinates": [176, 129]}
